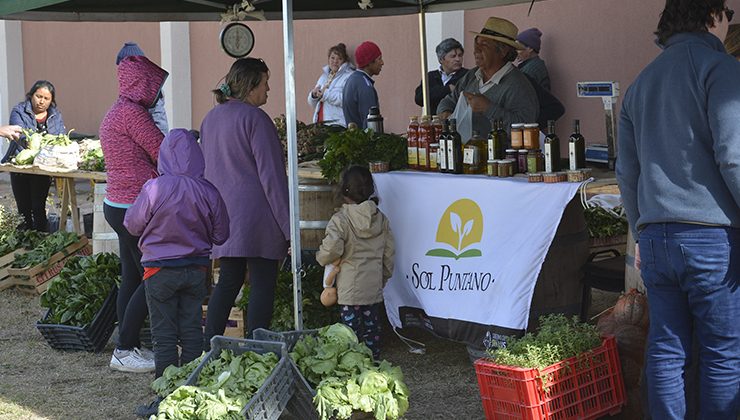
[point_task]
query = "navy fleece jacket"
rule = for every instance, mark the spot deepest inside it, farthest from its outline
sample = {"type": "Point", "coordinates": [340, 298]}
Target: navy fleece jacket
{"type": "Point", "coordinates": [679, 136]}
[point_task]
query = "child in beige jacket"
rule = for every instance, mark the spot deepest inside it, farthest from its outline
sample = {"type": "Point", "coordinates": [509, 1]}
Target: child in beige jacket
{"type": "Point", "coordinates": [360, 234]}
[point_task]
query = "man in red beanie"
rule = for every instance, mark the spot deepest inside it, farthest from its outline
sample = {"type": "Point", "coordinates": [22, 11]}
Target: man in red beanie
{"type": "Point", "coordinates": [359, 92]}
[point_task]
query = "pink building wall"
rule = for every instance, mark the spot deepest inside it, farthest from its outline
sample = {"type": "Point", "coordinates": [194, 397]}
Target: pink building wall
{"type": "Point", "coordinates": [583, 40]}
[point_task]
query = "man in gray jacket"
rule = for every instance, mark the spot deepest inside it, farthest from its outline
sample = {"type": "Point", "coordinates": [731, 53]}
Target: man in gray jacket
{"type": "Point", "coordinates": [495, 89]}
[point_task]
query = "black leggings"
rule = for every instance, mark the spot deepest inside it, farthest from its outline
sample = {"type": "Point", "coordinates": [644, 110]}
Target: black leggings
{"type": "Point", "coordinates": [131, 304]}
{"type": "Point", "coordinates": [30, 192]}
{"type": "Point", "coordinates": [262, 280]}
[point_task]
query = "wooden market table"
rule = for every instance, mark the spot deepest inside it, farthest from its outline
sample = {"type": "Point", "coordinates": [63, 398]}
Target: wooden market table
{"type": "Point", "coordinates": [68, 194]}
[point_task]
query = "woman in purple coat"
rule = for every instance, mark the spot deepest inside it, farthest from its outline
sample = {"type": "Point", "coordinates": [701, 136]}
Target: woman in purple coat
{"type": "Point", "coordinates": [244, 160]}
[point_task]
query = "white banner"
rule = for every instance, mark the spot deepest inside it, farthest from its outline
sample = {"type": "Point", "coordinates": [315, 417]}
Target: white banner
{"type": "Point", "coordinates": [468, 247]}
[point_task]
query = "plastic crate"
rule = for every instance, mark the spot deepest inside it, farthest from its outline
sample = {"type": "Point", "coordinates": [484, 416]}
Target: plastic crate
{"type": "Point", "coordinates": [92, 337]}
{"type": "Point", "coordinates": [269, 402]}
{"type": "Point", "coordinates": [287, 337]}
{"type": "Point", "coordinates": [586, 386]}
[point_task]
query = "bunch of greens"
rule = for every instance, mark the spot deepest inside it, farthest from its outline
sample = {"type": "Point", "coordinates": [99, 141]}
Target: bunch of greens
{"type": "Point", "coordinates": [45, 249]}
{"type": "Point", "coordinates": [310, 139]}
{"type": "Point", "coordinates": [225, 386]}
{"type": "Point", "coordinates": [9, 221]}
{"type": "Point", "coordinates": [603, 224]}
{"type": "Point", "coordinates": [191, 402]}
{"type": "Point", "coordinates": [92, 160]}
{"type": "Point", "coordinates": [17, 239]}
{"type": "Point", "coordinates": [359, 147]}
{"type": "Point", "coordinates": [346, 379]}
{"type": "Point", "coordinates": [315, 314]}
{"type": "Point", "coordinates": [174, 377]}
{"type": "Point", "coordinates": [78, 292]}
{"type": "Point", "coordinates": [558, 338]}
{"type": "Point", "coordinates": [57, 139]}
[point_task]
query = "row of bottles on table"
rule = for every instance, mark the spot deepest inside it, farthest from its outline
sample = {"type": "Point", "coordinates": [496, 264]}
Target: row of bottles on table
{"type": "Point", "coordinates": [435, 145]}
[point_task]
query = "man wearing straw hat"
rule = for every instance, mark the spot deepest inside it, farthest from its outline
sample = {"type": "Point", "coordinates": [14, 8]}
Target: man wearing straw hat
{"type": "Point", "coordinates": [495, 89]}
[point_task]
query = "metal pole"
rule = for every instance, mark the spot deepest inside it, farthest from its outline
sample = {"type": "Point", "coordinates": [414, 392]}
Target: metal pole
{"type": "Point", "coordinates": [424, 69]}
{"type": "Point", "coordinates": [290, 126]}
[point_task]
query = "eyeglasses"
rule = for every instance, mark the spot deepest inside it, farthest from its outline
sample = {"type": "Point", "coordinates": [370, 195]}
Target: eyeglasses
{"type": "Point", "coordinates": [729, 13]}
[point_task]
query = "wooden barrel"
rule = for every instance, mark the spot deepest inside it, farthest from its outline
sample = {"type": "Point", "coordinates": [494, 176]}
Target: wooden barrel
{"type": "Point", "coordinates": [559, 288]}
{"type": "Point", "coordinates": [632, 277]}
{"type": "Point", "coordinates": [104, 238]}
{"type": "Point", "coordinates": [316, 200]}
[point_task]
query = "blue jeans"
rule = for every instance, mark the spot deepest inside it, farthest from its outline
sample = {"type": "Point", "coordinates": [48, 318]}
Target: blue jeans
{"type": "Point", "coordinates": [174, 296]}
{"type": "Point", "coordinates": [692, 274]}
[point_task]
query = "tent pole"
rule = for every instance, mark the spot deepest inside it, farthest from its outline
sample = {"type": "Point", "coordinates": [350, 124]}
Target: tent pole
{"type": "Point", "coordinates": [423, 52]}
{"type": "Point", "coordinates": [290, 128]}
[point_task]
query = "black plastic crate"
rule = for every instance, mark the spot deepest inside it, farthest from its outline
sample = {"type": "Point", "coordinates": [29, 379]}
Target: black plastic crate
{"type": "Point", "coordinates": [92, 337]}
{"type": "Point", "coordinates": [287, 337]}
{"type": "Point", "coordinates": [269, 402]}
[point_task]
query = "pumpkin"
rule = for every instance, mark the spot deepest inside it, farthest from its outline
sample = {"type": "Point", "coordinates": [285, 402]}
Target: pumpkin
{"type": "Point", "coordinates": [631, 341]}
{"type": "Point", "coordinates": [606, 324]}
{"type": "Point", "coordinates": [632, 308]}
{"type": "Point", "coordinates": [631, 372]}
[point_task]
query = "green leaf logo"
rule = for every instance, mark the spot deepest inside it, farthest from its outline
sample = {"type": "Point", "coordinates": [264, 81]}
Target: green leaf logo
{"type": "Point", "coordinates": [460, 226]}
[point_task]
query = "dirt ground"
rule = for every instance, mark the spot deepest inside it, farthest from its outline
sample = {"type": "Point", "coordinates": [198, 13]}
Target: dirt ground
{"type": "Point", "coordinates": [37, 382]}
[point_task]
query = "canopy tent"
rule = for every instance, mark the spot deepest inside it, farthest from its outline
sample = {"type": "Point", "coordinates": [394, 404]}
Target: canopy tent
{"type": "Point", "coordinates": [285, 10]}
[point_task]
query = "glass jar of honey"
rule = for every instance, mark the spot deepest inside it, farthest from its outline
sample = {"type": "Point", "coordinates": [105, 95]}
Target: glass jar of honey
{"type": "Point", "coordinates": [531, 136]}
{"type": "Point", "coordinates": [517, 135]}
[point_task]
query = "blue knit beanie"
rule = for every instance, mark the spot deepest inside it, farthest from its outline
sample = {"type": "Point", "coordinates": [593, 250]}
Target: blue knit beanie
{"type": "Point", "coordinates": [129, 49]}
{"type": "Point", "coordinates": [530, 38]}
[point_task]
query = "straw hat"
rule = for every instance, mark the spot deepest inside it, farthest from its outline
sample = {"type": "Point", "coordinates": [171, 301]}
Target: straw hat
{"type": "Point", "coordinates": [501, 30]}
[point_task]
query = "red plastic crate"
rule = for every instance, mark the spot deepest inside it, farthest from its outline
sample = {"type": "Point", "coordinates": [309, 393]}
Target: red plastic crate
{"type": "Point", "coordinates": [586, 386]}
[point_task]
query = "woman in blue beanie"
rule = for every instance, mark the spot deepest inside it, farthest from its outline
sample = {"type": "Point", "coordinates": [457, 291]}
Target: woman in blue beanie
{"type": "Point", "coordinates": [528, 60]}
{"type": "Point", "coordinates": [157, 111]}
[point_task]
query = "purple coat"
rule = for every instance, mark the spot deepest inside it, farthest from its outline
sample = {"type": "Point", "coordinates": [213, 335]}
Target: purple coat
{"type": "Point", "coordinates": [178, 214]}
{"type": "Point", "coordinates": [244, 160]}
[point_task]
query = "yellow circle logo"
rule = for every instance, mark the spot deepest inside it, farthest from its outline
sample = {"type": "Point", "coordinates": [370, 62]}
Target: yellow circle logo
{"type": "Point", "coordinates": [460, 227]}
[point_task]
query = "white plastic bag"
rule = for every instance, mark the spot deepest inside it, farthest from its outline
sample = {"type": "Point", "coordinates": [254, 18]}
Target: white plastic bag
{"type": "Point", "coordinates": [463, 114]}
{"type": "Point", "coordinates": [58, 158]}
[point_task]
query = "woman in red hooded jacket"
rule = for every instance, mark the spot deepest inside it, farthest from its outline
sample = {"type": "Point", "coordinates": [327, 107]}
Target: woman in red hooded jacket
{"type": "Point", "coordinates": [130, 142]}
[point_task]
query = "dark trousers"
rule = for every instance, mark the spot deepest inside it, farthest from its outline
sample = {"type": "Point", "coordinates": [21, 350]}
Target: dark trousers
{"type": "Point", "coordinates": [262, 279]}
{"type": "Point", "coordinates": [30, 192]}
{"type": "Point", "coordinates": [365, 322]}
{"type": "Point", "coordinates": [174, 296]}
{"type": "Point", "coordinates": [131, 304]}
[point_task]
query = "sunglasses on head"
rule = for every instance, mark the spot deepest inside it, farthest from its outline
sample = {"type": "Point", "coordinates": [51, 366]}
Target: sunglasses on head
{"type": "Point", "coordinates": [729, 13]}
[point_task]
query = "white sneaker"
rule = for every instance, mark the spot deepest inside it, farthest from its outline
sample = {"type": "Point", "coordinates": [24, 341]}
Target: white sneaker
{"type": "Point", "coordinates": [130, 361]}
{"type": "Point", "coordinates": [146, 353]}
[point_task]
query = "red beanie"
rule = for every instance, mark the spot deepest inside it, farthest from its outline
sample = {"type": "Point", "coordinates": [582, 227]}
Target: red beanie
{"type": "Point", "coordinates": [365, 53]}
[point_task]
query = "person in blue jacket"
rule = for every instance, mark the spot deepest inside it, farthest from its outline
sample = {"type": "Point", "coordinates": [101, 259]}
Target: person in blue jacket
{"type": "Point", "coordinates": [157, 111]}
{"type": "Point", "coordinates": [359, 93]}
{"type": "Point", "coordinates": [38, 113]}
{"type": "Point", "coordinates": [679, 174]}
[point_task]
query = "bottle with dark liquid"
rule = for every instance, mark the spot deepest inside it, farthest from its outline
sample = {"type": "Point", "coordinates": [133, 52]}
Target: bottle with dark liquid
{"type": "Point", "coordinates": [442, 140]}
{"type": "Point", "coordinates": [552, 149]}
{"type": "Point", "coordinates": [454, 149]}
{"type": "Point", "coordinates": [577, 148]}
{"type": "Point", "coordinates": [495, 142]}
{"type": "Point", "coordinates": [503, 136]}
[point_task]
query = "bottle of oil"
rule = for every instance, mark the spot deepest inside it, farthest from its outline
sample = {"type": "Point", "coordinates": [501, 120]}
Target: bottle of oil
{"type": "Point", "coordinates": [454, 149]}
{"type": "Point", "coordinates": [577, 148]}
{"type": "Point", "coordinates": [413, 142]}
{"type": "Point", "coordinates": [552, 149]}
{"type": "Point", "coordinates": [495, 142]}
{"type": "Point", "coordinates": [504, 138]}
{"type": "Point", "coordinates": [475, 155]}
{"type": "Point", "coordinates": [442, 140]}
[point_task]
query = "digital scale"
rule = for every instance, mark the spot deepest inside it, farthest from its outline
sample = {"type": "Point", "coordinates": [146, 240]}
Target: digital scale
{"type": "Point", "coordinates": [608, 92]}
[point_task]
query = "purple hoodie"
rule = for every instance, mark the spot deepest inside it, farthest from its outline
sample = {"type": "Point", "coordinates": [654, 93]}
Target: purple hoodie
{"type": "Point", "coordinates": [179, 214]}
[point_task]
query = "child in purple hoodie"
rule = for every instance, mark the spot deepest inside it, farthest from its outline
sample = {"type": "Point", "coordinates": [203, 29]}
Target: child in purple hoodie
{"type": "Point", "coordinates": [179, 216]}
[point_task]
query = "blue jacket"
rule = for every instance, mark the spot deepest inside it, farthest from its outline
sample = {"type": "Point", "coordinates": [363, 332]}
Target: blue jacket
{"type": "Point", "coordinates": [22, 115]}
{"type": "Point", "coordinates": [359, 95]}
{"type": "Point", "coordinates": [159, 115]}
{"type": "Point", "coordinates": [679, 136]}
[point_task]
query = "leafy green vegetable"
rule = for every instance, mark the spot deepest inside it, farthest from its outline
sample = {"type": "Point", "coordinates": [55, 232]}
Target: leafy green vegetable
{"type": "Point", "coordinates": [558, 338]}
{"type": "Point", "coordinates": [25, 157]}
{"type": "Point", "coordinates": [603, 224]}
{"type": "Point", "coordinates": [76, 295]}
{"type": "Point", "coordinates": [9, 220]}
{"type": "Point", "coordinates": [26, 239]}
{"type": "Point", "coordinates": [359, 147]}
{"type": "Point", "coordinates": [225, 386]}
{"type": "Point", "coordinates": [174, 377]}
{"type": "Point", "coordinates": [45, 249]}
{"type": "Point", "coordinates": [92, 160]}
{"type": "Point", "coordinates": [345, 377]}
{"type": "Point", "coordinates": [315, 314]}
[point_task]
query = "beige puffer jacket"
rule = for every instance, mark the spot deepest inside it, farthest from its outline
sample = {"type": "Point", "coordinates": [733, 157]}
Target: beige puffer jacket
{"type": "Point", "coordinates": [361, 235]}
